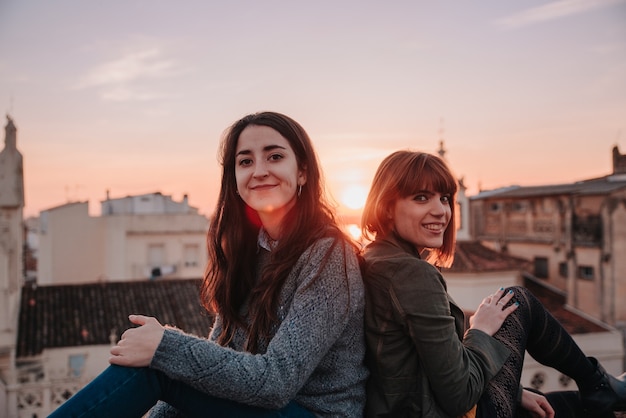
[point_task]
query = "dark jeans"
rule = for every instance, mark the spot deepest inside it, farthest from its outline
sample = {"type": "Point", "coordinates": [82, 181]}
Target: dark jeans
{"type": "Point", "coordinates": [131, 392]}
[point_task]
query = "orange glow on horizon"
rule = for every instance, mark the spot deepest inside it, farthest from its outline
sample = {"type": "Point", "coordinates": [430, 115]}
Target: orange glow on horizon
{"type": "Point", "coordinates": [354, 231]}
{"type": "Point", "coordinates": [353, 196]}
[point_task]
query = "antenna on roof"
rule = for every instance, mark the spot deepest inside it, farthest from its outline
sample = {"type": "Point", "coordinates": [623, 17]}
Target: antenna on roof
{"type": "Point", "coordinates": [441, 151]}
{"type": "Point", "coordinates": [11, 101]}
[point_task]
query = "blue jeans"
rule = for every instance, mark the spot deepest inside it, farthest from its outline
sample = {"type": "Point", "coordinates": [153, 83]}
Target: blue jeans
{"type": "Point", "coordinates": [131, 392]}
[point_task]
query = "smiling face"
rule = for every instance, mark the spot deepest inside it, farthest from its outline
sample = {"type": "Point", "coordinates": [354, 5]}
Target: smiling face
{"type": "Point", "coordinates": [422, 218]}
{"type": "Point", "coordinates": [413, 194]}
{"type": "Point", "coordinates": [267, 174]}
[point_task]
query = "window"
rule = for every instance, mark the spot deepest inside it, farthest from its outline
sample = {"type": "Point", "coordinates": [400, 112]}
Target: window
{"type": "Point", "coordinates": [495, 207]}
{"type": "Point", "coordinates": [541, 267]}
{"type": "Point", "coordinates": [191, 254]}
{"type": "Point", "coordinates": [585, 272]}
{"type": "Point", "coordinates": [563, 270]}
{"type": "Point", "coordinates": [76, 365]}
{"type": "Point", "coordinates": [587, 229]}
{"type": "Point", "coordinates": [547, 206]}
{"type": "Point", "coordinates": [156, 255]}
{"type": "Point", "coordinates": [518, 206]}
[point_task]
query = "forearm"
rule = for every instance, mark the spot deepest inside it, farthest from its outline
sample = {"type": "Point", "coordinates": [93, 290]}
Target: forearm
{"type": "Point", "coordinates": [218, 371]}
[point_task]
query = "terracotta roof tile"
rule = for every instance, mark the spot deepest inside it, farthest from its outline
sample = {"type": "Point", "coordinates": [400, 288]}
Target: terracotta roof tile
{"type": "Point", "coordinates": [472, 257]}
{"type": "Point", "coordinates": [87, 314]}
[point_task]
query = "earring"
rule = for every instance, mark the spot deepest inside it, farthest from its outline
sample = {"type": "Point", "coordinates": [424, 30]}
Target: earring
{"type": "Point", "coordinates": [299, 190]}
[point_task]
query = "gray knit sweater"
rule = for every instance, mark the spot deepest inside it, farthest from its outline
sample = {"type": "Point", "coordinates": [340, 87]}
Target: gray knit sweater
{"type": "Point", "coordinates": [315, 356]}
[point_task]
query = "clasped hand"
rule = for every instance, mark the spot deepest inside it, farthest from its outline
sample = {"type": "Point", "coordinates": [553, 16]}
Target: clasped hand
{"type": "Point", "coordinates": [138, 345]}
{"type": "Point", "coordinates": [492, 312]}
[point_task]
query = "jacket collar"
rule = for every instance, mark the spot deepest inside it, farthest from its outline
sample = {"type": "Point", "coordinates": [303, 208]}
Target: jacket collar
{"type": "Point", "coordinates": [394, 239]}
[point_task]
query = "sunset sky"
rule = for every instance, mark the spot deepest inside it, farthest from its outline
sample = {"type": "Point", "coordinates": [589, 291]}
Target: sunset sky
{"type": "Point", "coordinates": [132, 96]}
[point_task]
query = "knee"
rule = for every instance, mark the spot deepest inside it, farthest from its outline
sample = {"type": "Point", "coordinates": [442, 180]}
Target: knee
{"type": "Point", "coordinates": [517, 289]}
{"type": "Point", "coordinates": [524, 296]}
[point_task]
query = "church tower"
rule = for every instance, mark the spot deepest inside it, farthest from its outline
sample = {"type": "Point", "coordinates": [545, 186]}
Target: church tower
{"type": "Point", "coordinates": [462, 201]}
{"type": "Point", "coordinates": [11, 250]}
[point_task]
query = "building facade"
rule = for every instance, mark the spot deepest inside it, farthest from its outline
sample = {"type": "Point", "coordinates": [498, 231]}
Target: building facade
{"type": "Point", "coordinates": [141, 237]}
{"type": "Point", "coordinates": [574, 234]}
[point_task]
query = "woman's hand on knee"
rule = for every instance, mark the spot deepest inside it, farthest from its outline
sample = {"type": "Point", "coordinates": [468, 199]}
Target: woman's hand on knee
{"type": "Point", "coordinates": [492, 312]}
{"type": "Point", "coordinates": [138, 345]}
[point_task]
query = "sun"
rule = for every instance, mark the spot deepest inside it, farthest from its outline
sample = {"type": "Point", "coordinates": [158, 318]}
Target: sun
{"type": "Point", "coordinates": [354, 196]}
{"type": "Point", "coordinates": [354, 231]}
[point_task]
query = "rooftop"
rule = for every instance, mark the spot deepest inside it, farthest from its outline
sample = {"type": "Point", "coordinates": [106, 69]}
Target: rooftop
{"type": "Point", "coordinates": [474, 257]}
{"type": "Point", "coordinates": [89, 314]}
{"type": "Point", "coordinates": [597, 186]}
{"type": "Point", "coordinates": [555, 304]}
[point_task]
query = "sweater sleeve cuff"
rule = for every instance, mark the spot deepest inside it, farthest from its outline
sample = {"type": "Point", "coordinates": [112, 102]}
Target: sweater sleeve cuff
{"type": "Point", "coordinates": [167, 349]}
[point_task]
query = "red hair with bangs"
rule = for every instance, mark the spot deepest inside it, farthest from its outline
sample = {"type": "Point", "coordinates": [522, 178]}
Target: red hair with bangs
{"type": "Point", "coordinates": [400, 175]}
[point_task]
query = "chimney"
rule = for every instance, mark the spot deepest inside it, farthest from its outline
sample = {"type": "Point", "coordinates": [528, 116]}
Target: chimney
{"type": "Point", "coordinates": [619, 161]}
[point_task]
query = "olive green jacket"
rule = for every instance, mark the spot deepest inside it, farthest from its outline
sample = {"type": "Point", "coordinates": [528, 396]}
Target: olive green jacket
{"type": "Point", "coordinates": [422, 361]}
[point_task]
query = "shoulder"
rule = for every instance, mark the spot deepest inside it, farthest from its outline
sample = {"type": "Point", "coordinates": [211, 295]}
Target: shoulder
{"type": "Point", "coordinates": [389, 265]}
{"type": "Point", "coordinates": [328, 267]}
{"type": "Point", "coordinates": [332, 256]}
{"type": "Point", "coordinates": [384, 255]}
{"type": "Point", "coordinates": [333, 247]}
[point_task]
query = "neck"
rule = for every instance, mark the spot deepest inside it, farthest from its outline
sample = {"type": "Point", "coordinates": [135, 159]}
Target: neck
{"type": "Point", "coordinates": [272, 225]}
{"type": "Point", "coordinates": [272, 220]}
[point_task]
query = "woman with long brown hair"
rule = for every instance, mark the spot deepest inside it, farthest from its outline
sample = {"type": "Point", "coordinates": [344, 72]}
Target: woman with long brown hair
{"type": "Point", "coordinates": [284, 284]}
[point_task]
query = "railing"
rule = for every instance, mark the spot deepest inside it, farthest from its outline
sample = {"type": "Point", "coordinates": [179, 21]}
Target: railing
{"type": "Point", "coordinates": [35, 400]}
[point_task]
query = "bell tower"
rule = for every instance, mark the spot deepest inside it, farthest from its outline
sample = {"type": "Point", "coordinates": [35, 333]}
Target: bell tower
{"type": "Point", "coordinates": [11, 250]}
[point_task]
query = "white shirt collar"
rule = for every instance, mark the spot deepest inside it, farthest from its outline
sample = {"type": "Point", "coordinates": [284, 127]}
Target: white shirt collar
{"type": "Point", "coordinates": [265, 241]}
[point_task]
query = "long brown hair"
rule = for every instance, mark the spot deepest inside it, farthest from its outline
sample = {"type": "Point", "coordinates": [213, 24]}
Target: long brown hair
{"type": "Point", "coordinates": [230, 276]}
{"type": "Point", "coordinates": [402, 174]}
